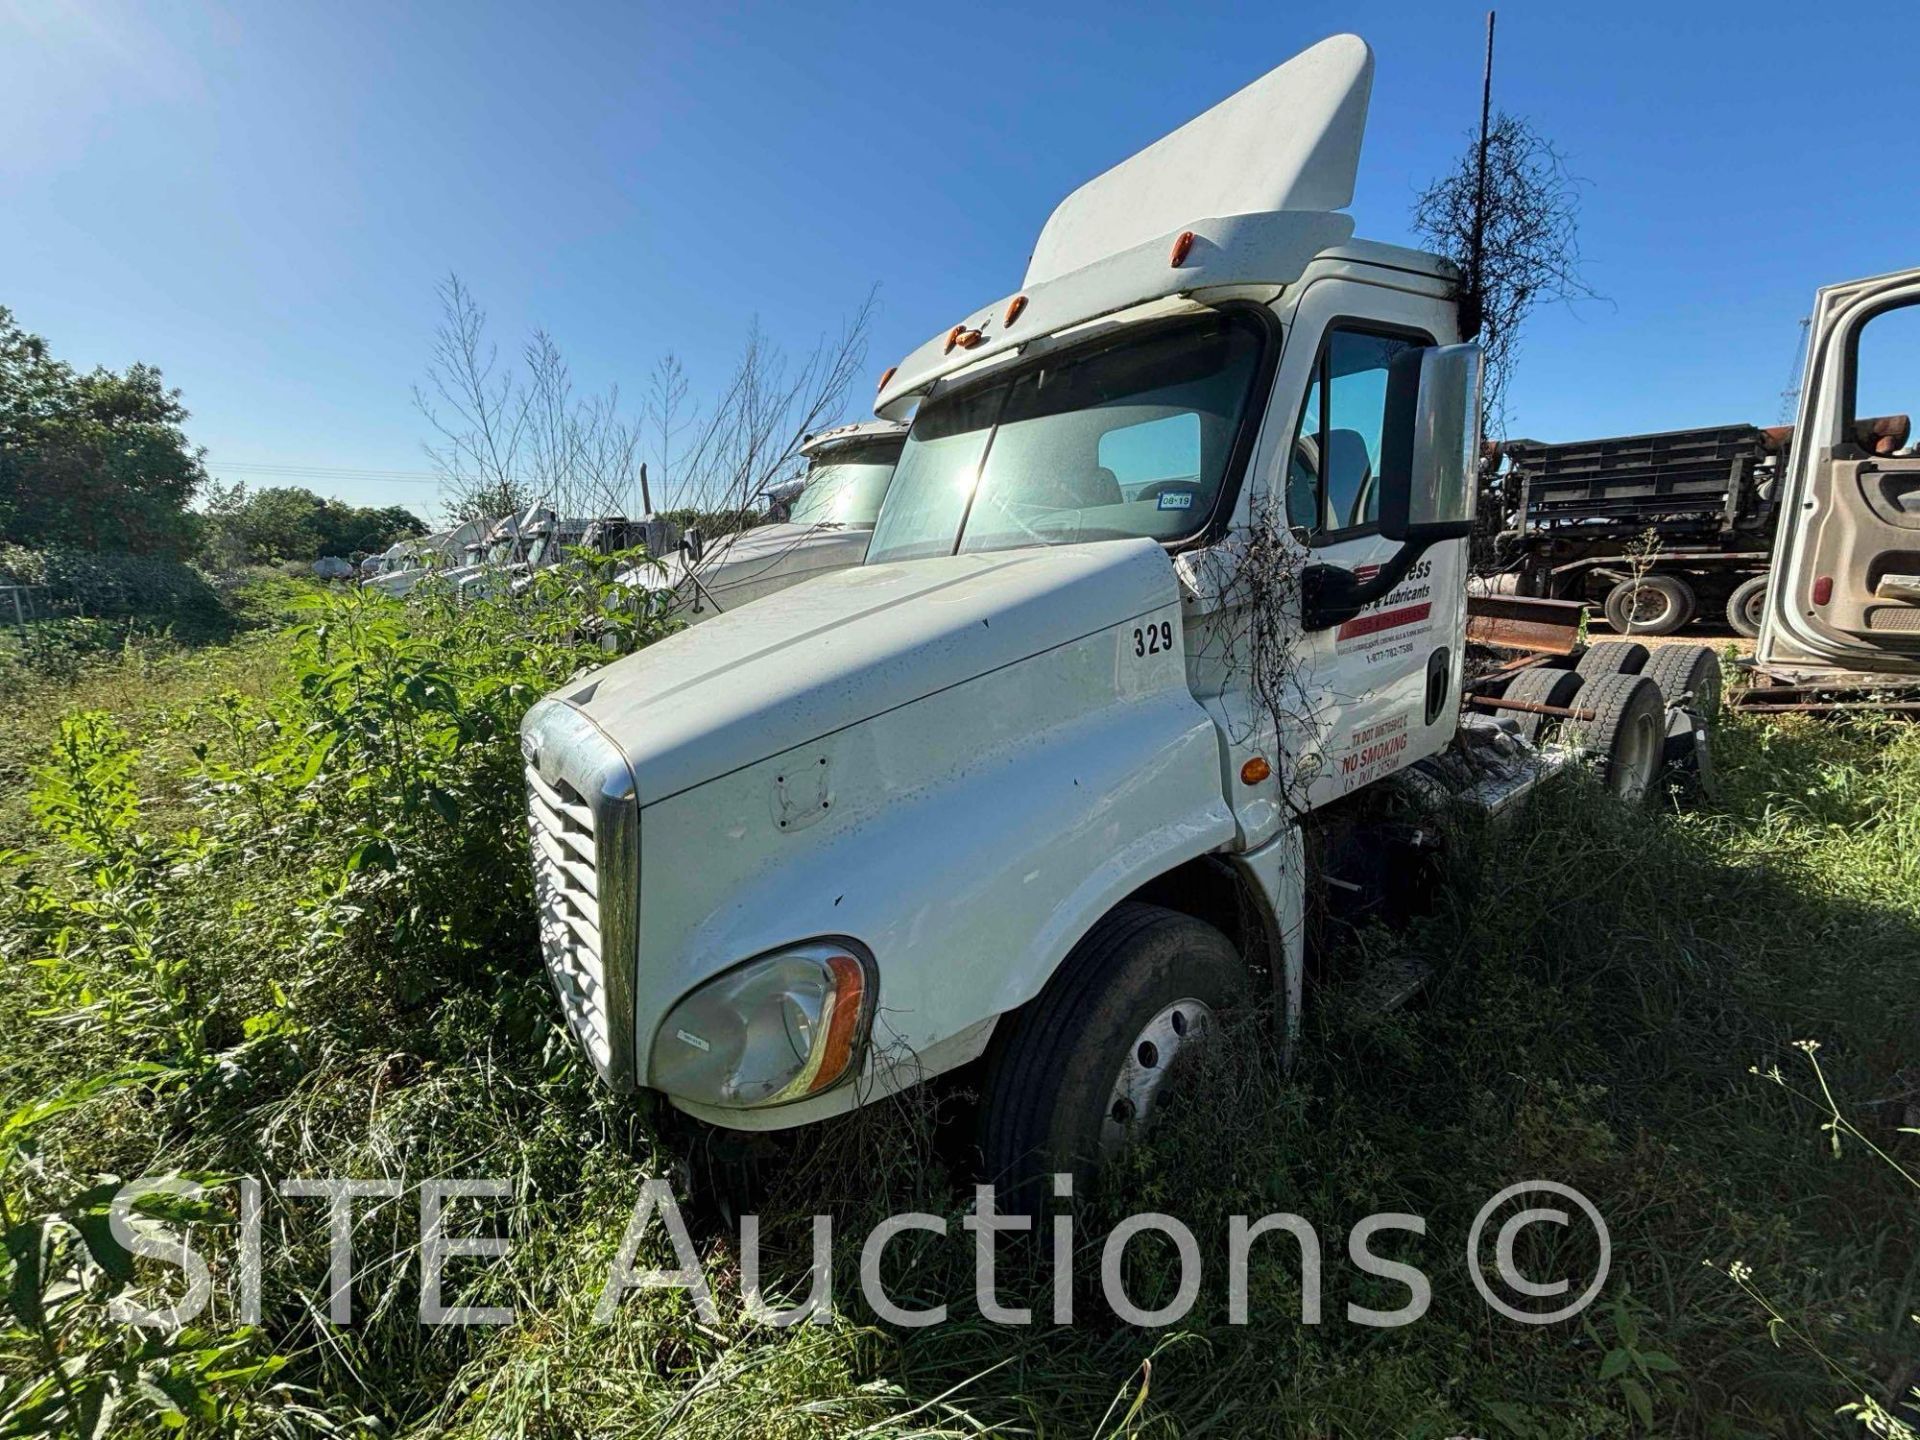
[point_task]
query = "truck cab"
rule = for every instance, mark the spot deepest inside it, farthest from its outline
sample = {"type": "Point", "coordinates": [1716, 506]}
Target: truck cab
{"type": "Point", "coordinates": [825, 528]}
{"type": "Point", "coordinates": [418, 559]}
{"type": "Point", "coordinates": [1171, 572]}
{"type": "Point", "coordinates": [1843, 609]}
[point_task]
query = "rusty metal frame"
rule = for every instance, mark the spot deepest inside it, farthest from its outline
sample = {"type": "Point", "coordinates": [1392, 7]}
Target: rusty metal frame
{"type": "Point", "coordinates": [1525, 622]}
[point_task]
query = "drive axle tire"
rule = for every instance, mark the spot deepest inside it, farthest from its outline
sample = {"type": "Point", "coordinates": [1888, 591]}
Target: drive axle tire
{"type": "Point", "coordinates": [1627, 736]}
{"type": "Point", "coordinates": [1689, 681]}
{"type": "Point", "coordinates": [1542, 685]}
{"type": "Point", "coordinates": [1747, 606]}
{"type": "Point", "coordinates": [1072, 1073]}
{"type": "Point", "coordinates": [1689, 675]}
{"type": "Point", "coordinates": [1613, 657]}
{"type": "Point", "coordinates": [1650, 605]}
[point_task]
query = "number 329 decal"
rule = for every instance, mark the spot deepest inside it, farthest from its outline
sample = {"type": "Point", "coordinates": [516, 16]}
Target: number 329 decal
{"type": "Point", "coordinates": [1153, 639]}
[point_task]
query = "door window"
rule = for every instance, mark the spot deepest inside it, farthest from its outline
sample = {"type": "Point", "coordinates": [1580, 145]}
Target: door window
{"type": "Point", "coordinates": [1886, 371]}
{"type": "Point", "coordinates": [1333, 470]}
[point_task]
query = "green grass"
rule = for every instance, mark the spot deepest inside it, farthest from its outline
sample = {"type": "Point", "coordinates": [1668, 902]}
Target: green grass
{"type": "Point", "coordinates": [1611, 992]}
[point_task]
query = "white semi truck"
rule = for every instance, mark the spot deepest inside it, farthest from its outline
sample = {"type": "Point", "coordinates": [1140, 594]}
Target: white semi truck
{"type": "Point", "coordinates": [1168, 589]}
{"type": "Point", "coordinates": [826, 528]}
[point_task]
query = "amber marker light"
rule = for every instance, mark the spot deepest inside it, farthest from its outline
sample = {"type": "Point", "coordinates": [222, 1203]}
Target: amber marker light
{"type": "Point", "coordinates": [843, 1025]}
{"type": "Point", "coordinates": [1255, 770]}
{"type": "Point", "coordinates": [1178, 257]}
{"type": "Point", "coordinates": [1014, 307]}
{"type": "Point", "coordinates": [892, 370]}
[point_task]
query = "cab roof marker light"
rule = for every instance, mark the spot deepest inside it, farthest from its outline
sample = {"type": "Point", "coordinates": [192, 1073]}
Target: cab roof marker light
{"type": "Point", "coordinates": [892, 370]}
{"type": "Point", "coordinates": [1181, 248]}
{"type": "Point", "coordinates": [1014, 307]}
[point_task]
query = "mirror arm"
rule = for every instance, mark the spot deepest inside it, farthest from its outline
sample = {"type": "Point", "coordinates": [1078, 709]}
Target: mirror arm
{"type": "Point", "coordinates": [1329, 595]}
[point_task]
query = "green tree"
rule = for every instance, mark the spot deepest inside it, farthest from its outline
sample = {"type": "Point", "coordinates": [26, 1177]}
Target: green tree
{"type": "Point", "coordinates": [91, 462]}
{"type": "Point", "coordinates": [291, 523]}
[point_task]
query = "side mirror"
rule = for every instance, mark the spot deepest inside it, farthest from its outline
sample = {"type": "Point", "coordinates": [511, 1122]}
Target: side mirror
{"type": "Point", "coordinates": [1427, 470]}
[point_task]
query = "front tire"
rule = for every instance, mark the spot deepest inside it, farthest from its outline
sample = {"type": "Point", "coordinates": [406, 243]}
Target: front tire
{"type": "Point", "coordinates": [1073, 1074]}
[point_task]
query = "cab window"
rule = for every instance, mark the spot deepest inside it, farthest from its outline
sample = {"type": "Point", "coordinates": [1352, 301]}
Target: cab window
{"type": "Point", "coordinates": [1333, 468]}
{"type": "Point", "coordinates": [1886, 371]}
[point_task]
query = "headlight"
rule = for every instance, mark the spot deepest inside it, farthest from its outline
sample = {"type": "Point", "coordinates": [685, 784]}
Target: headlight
{"type": "Point", "coordinates": [776, 1029]}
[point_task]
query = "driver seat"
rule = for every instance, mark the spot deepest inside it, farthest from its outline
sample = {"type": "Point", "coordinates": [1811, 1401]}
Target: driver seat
{"type": "Point", "coordinates": [1090, 488]}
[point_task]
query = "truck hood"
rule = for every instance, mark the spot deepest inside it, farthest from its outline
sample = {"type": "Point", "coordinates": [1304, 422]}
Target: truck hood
{"type": "Point", "coordinates": [833, 651]}
{"type": "Point", "coordinates": [757, 554]}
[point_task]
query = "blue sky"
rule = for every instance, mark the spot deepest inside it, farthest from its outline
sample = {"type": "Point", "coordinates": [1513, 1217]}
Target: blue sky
{"type": "Point", "coordinates": [260, 198]}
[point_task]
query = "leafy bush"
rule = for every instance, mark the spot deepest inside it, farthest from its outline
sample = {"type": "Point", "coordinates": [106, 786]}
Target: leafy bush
{"type": "Point", "coordinates": [106, 585]}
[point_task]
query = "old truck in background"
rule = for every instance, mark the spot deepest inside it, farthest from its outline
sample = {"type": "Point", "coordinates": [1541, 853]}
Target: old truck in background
{"type": "Point", "coordinates": [828, 521]}
{"type": "Point", "coordinates": [1654, 530]}
{"type": "Point", "coordinates": [1163, 621]}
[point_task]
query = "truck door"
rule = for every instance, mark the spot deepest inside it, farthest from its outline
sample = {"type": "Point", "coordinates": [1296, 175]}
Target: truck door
{"type": "Point", "coordinates": [1369, 681]}
{"type": "Point", "coordinates": [1846, 588]}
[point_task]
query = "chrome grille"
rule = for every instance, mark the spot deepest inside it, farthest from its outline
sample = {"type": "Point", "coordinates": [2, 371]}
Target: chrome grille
{"type": "Point", "coordinates": [566, 883]}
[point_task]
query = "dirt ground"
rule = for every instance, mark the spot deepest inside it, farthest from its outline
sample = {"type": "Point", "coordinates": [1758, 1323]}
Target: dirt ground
{"type": "Point", "coordinates": [1718, 636]}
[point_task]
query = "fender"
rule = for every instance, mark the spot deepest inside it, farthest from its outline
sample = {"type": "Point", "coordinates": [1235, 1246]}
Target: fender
{"type": "Point", "coordinates": [1275, 879]}
{"type": "Point", "coordinates": [968, 839]}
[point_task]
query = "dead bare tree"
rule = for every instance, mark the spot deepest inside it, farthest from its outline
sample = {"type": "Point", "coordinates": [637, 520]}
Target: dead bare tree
{"type": "Point", "coordinates": [514, 437]}
{"type": "Point", "coordinates": [476, 409]}
{"type": "Point", "coordinates": [511, 437]}
{"type": "Point", "coordinates": [609, 457]}
{"type": "Point", "coordinates": [1508, 216]}
{"type": "Point", "coordinates": [552, 428]}
{"type": "Point", "coordinates": [667, 414]}
{"type": "Point", "coordinates": [753, 431]}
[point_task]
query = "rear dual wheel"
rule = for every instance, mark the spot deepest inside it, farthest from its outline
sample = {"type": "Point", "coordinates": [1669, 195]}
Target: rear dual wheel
{"type": "Point", "coordinates": [1627, 736]}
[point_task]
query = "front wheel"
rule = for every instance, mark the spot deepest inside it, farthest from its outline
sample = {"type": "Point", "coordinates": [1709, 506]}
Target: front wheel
{"type": "Point", "coordinates": [1073, 1075]}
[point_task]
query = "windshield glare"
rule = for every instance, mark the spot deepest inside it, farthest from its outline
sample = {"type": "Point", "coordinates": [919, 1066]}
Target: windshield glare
{"type": "Point", "coordinates": [1131, 439]}
{"type": "Point", "coordinates": [845, 490]}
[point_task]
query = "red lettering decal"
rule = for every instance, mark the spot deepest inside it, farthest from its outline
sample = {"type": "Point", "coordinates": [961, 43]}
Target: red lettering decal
{"type": "Point", "coordinates": [1383, 620]}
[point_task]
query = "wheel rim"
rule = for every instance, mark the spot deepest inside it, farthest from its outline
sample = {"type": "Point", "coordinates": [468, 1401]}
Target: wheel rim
{"type": "Point", "coordinates": [1754, 607]}
{"type": "Point", "coordinates": [1636, 758]}
{"type": "Point", "coordinates": [1647, 606]}
{"type": "Point", "coordinates": [1150, 1060]}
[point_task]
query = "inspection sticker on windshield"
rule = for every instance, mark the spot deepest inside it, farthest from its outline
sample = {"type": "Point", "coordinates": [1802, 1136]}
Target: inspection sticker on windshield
{"type": "Point", "coordinates": [1175, 500]}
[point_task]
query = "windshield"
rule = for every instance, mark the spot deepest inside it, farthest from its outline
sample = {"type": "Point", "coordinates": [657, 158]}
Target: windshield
{"type": "Point", "coordinates": [846, 489]}
{"type": "Point", "coordinates": [1132, 439]}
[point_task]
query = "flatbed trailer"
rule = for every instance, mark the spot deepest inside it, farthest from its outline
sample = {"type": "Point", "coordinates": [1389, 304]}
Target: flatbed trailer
{"type": "Point", "coordinates": [1655, 528]}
